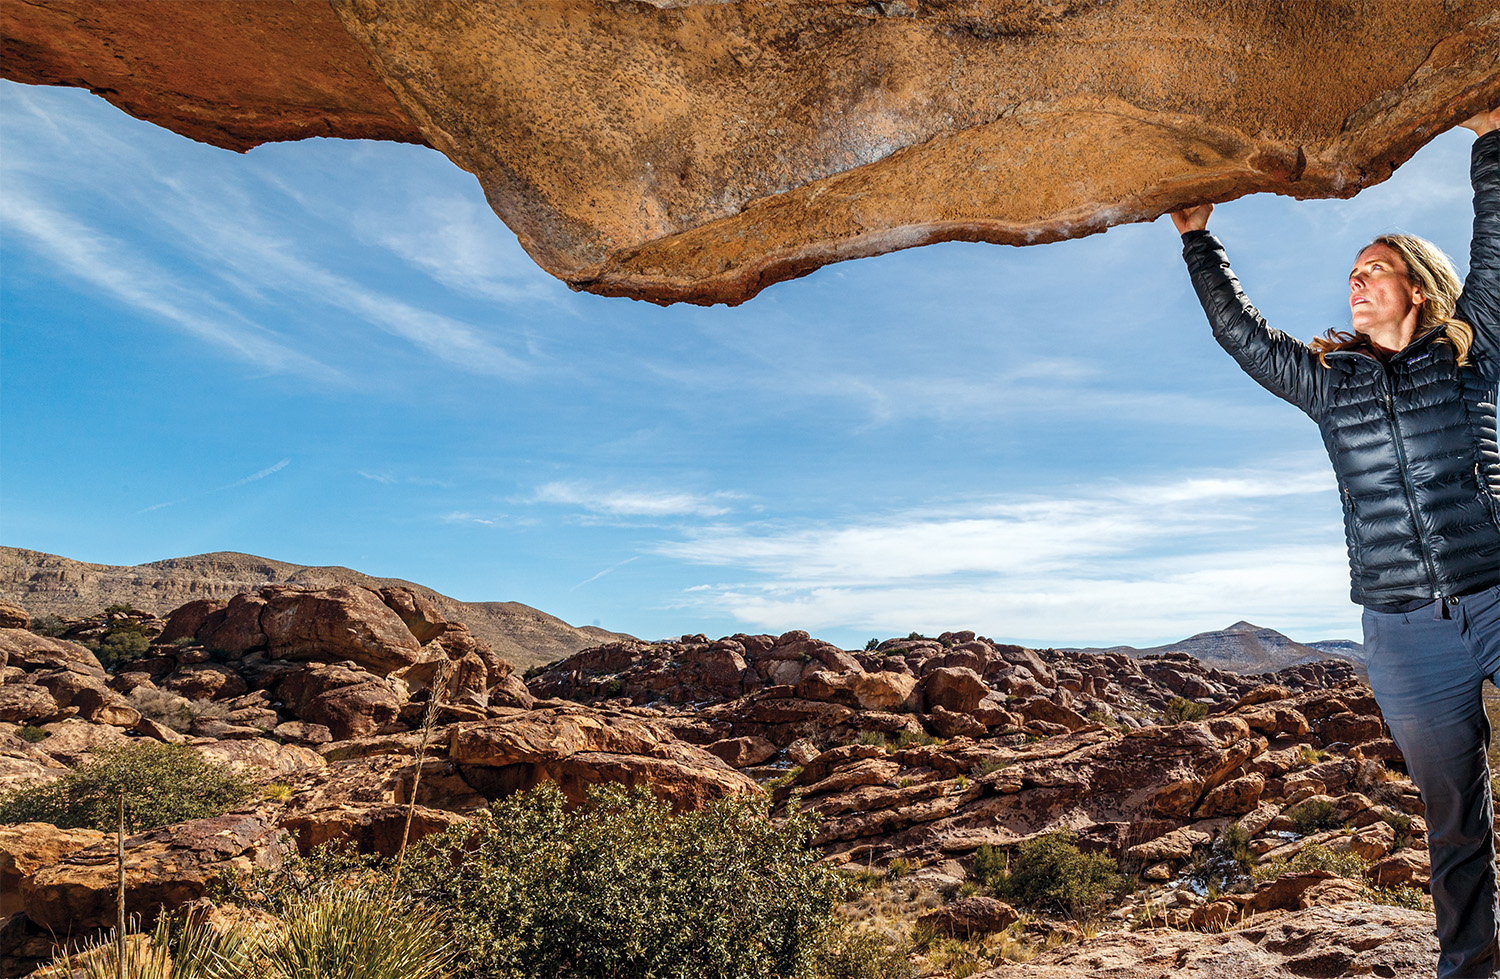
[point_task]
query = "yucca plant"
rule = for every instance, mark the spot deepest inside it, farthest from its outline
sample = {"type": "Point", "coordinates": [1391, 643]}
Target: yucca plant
{"type": "Point", "coordinates": [175, 949]}
{"type": "Point", "coordinates": [337, 932]}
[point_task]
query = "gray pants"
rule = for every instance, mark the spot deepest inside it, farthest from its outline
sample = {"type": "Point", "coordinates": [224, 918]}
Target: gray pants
{"type": "Point", "coordinates": [1426, 673]}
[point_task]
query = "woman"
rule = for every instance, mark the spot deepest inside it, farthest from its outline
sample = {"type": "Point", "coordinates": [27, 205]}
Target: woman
{"type": "Point", "coordinates": [1406, 404]}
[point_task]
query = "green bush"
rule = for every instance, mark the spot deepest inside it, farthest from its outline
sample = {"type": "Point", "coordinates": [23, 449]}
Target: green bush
{"type": "Point", "coordinates": [1181, 709]}
{"type": "Point", "coordinates": [1050, 873]}
{"type": "Point", "coordinates": [122, 644]}
{"type": "Point", "coordinates": [162, 783]}
{"type": "Point", "coordinates": [1314, 815]}
{"type": "Point", "coordinates": [622, 887]}
{"type": "Point", "coordinates": [32, 733]}
{"type": "Point", "coordinates": [48, 625]}
{"type": "Point", "coordinates": [871, 645]}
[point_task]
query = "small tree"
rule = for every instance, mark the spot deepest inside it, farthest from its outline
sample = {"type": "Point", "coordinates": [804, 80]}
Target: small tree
{"type": "Point", "coordinates": [162, 783]}
{"type": "Point", "coordinates": [1050, 873]}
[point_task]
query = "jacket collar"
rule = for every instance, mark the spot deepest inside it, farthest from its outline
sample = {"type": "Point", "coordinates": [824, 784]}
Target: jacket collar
{"type": "Point", "coordinates": [1363, 348]}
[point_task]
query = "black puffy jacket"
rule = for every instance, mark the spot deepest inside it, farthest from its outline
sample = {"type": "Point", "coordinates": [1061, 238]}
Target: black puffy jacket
{"type": "Point", "coordinates": [1412, 440]}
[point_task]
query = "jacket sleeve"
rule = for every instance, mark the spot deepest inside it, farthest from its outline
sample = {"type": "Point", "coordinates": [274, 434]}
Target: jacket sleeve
{"type": "Point", "coordinates": [1281, 364]}
{"type": "Point", "coordinates": [1479, 306]}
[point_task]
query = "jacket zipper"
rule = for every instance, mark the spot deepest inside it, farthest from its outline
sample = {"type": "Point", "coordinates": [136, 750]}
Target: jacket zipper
{"type": "Point", "coordinates": [1411, 496]}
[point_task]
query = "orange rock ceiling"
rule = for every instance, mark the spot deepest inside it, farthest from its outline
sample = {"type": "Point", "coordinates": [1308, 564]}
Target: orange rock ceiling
{"type": "Point", "coordinates": [701, 151]}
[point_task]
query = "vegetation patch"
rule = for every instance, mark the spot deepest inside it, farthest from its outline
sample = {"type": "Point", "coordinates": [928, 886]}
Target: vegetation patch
{"type": "Point", "coordinates": [162, 784]}
{"type": "Point", "coordinates": [619, 886]}
{"type": "Point", "coordinates": [1050, 873]}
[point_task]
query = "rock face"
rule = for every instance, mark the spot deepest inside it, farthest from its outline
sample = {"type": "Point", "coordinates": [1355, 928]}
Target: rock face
{"type": "Point", "coordinates": [46, 584]}
{"type": "Point", "coordinates": [702, 151]}
{"type": "Point", "coordinates": [1351, 939]}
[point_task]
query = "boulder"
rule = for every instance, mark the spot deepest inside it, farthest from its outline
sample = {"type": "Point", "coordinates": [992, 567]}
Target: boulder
{"type": "Point", "coordinates": [743, 752]}
{"type": "Point", "coordinates": [970, 917]}
{"type": "Point", "coordinates": [954, 688]}
{"type": "Point", "coordinates": [26, 848]}
{"type": "Point", "coordinates": [164, 869]}
{"type": "Point", "coordinates": [13, 616]}
{"type": "Point", "coordinates": [27, 703]}
{"type": "Point", "coordinates": [20, 648]}
{"type": "Point", "coordinates": [347, 622]}
{"type": "Point", "coordinates": [350, 702]}
{"type": "Point", "coordinates": [261, 756]}
{"type": "Point", "coordinates": [578, 747]}
{"type": "Point", "coordinates": [205, 681]}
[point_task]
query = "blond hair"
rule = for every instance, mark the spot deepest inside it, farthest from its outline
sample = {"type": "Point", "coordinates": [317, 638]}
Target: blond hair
{"type": "Point", "coordinates": [1429, 270]}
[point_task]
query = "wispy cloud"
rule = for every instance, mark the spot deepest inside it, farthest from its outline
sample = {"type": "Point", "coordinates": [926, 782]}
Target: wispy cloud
{"type": "Point", "coordinates": [464, 516]}
{"type": "Point", "coordinates": [631, 503]}
{"type": "Point", "coordinates": [613, 567]}
{"type": "Point", "coordinates": [270, 470]}
{"type": "Point", "coordinates": [109, 265]}
{"type": "Point", "coordinates": [460, 244]}
{"type": "Point", "coordinates": [276, 468]}
{"type": "Point", "coordinates": [1114, 563]}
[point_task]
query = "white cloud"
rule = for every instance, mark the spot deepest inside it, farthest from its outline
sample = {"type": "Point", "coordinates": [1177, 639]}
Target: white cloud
{"type": "Point", "coordinates": [632, 503]}
{"type": "Point", "coordinates": [1109, 564]}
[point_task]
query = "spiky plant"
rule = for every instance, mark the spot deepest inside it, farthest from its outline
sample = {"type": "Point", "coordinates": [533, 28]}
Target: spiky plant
{"type": "Point", "coordinates": [175, 949]}
{"type": "Point", "coordinates": [338, 932]}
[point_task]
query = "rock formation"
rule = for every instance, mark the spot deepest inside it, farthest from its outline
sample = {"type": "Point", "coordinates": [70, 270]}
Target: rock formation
{"type": "Point", "coordinates": [46, 584]}
{"type": "Point", "coordinates": [702, 151]}
{"type": "Point", "coordinates": [915, 753]}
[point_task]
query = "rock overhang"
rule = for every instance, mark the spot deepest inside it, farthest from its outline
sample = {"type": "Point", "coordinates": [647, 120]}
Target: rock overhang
{"type": "Point", "coordinates": [700, 152]}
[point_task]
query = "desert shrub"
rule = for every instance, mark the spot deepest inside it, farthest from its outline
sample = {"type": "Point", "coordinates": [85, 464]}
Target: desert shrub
{"type": "Point", "coordinates": [32, 733]}
{"type": "Point", "coordinates": [1315, 856]}
{"type": "Point", "coordinates": [620, 886]}
{"type": "Point", "coordinates": [876, 738]}
{"type": "Point", "coordinates": [176, 948]}
{"type": "Point", "coordinates": [851, 954]}
{"type": "Point", "coordinates": [871, 645]}
{"type": "Point", "coordinates": [1181, 709]}
{"type": "Point", "coordinates": [122, 644]}
{"type": "Point", "coordinates": [1050, 873]}
{"type": "Point", "coordinates": [908, 738]}
{"type": "Point", "coordinates": [48, 625]}
{"type": "Point", "coordinates": [162, 783]}
{"type": "Point", "coordinates": [1405, 896]}
{"type": "Point", "coordinates": [1314, 815]}
{"type": "Point", "coordinates": [335, 932]}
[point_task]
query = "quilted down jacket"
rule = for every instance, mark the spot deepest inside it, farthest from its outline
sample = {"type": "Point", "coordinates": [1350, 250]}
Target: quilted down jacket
{"type": "Point", "coordinates": [1412, 439]}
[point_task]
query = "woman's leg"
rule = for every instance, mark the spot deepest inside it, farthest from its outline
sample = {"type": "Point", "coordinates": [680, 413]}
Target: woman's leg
{"type": "Point", "coordinates": [1428, 678]}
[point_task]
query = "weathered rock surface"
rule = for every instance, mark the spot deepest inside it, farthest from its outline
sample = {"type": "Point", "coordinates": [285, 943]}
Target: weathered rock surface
{"type": "Point", "coordinates": [1352, 939]}
{"type": "Point", "coordinates": [166, 867]}
{"type": "Point", "coordinates": [702, 151]}
{"type": "Point", "coordinates": [577, 747]}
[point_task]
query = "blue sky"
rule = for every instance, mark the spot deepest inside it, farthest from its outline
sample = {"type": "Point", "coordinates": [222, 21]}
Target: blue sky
{"type": "Point", "coordinates": [332, 352]}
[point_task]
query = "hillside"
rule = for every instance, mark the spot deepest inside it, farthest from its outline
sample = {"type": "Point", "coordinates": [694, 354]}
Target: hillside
{"type": "Point", "coordinates": [46, 584]}
{"type": "Point", "coordinates": [1248, 648]}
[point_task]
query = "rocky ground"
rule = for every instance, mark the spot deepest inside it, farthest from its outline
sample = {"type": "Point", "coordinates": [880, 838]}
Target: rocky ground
{"type": "Point", "coordinates": [1263, 818]}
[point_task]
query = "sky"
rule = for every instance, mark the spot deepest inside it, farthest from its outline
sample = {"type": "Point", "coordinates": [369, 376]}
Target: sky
{"type": "Point", "coordinates": [331, 352]}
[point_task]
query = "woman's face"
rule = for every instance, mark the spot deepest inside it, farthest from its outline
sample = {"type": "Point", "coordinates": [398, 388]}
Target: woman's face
{"type": "Point", "coordinates": [1380, 294]}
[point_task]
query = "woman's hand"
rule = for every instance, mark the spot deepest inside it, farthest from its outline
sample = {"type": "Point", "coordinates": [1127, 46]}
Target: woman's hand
{"type": "Point", "coordinates": [1483, 122]}
{"type": "Point", "coordinates": [1192, 218]}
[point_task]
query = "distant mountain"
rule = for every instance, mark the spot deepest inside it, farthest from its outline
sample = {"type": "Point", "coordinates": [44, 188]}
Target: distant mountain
{"type": "Point", "coordinates": [1248, 648]}
{"type": "Point", "coordinates": [45, 583]}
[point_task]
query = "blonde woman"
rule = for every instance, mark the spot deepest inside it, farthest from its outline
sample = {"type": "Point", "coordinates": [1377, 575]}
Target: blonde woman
{"type": "Point", "coordinates": [1405, 400]}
